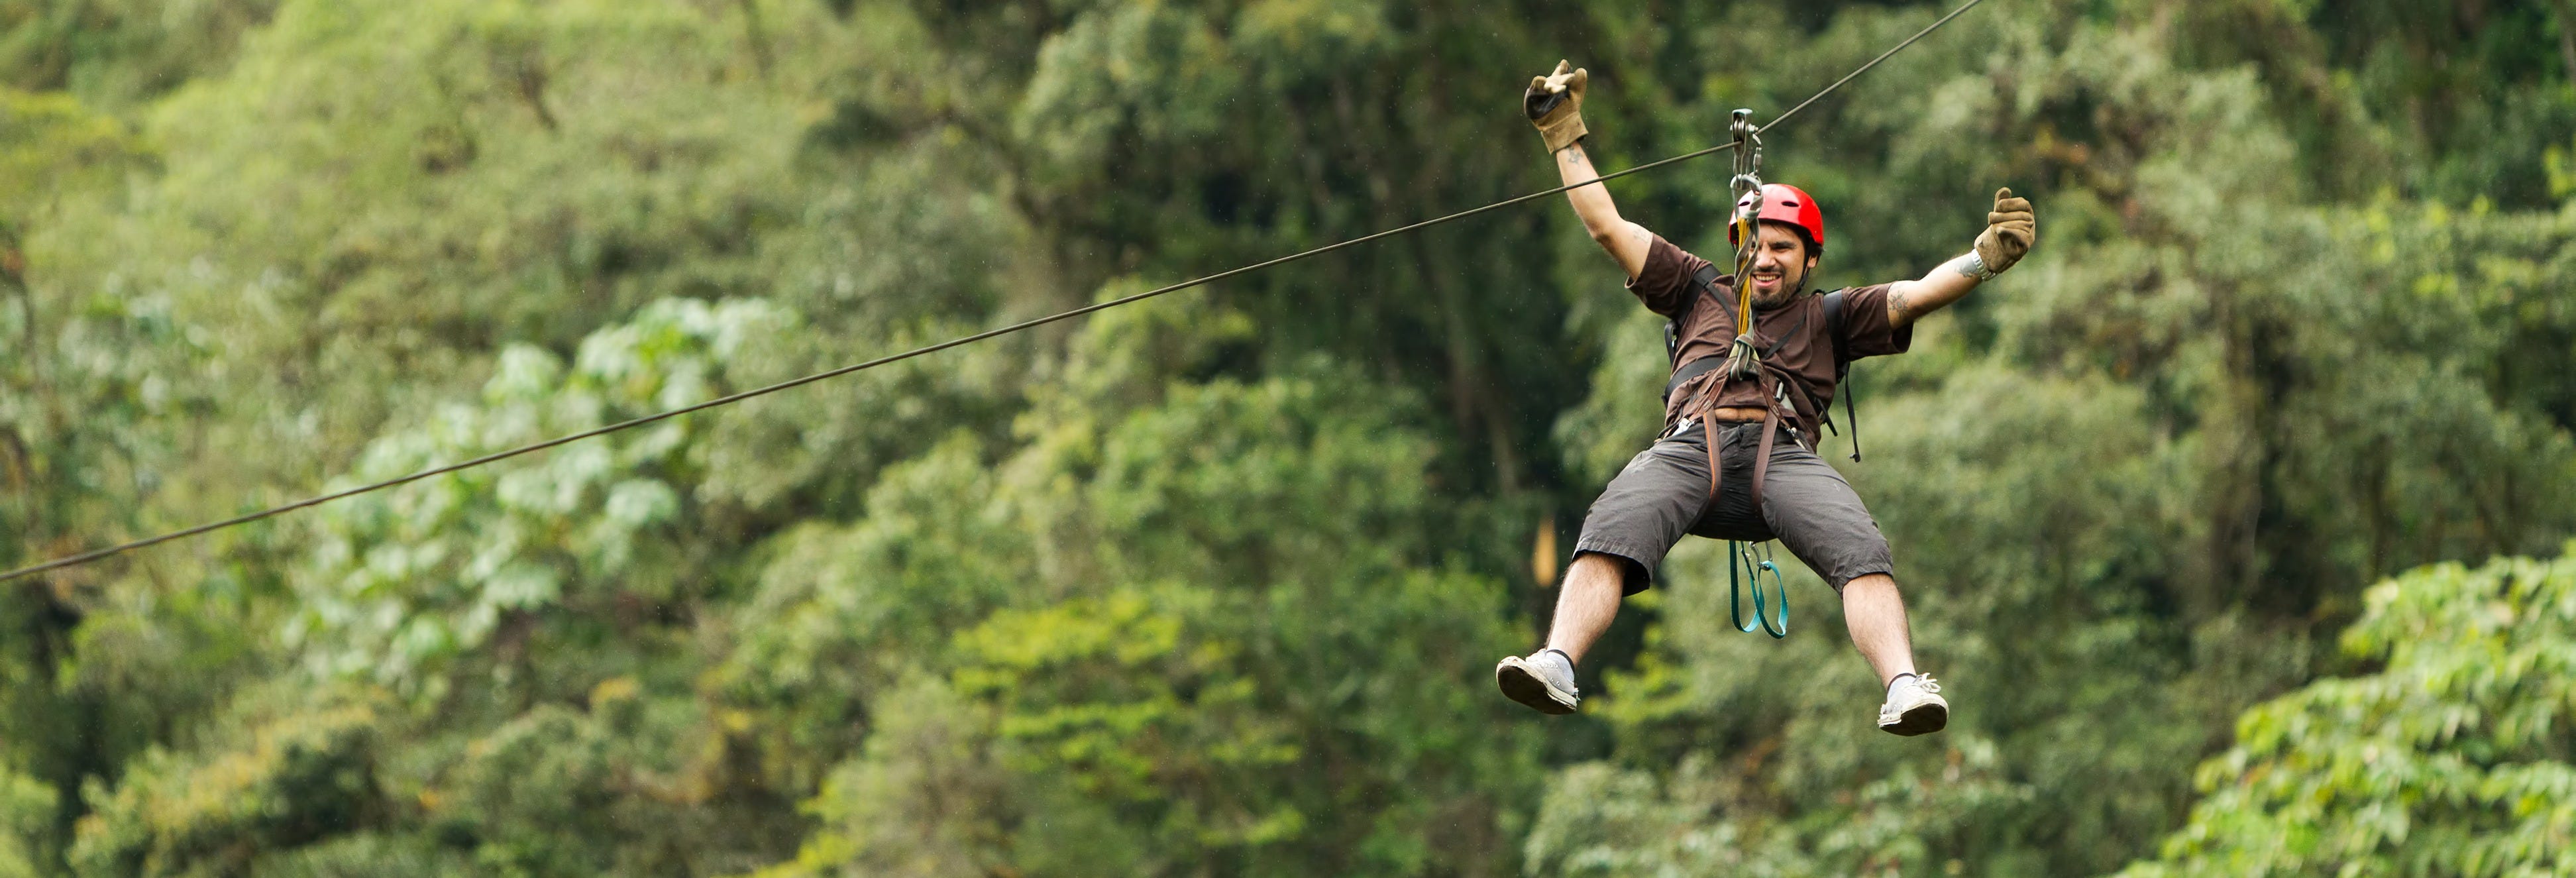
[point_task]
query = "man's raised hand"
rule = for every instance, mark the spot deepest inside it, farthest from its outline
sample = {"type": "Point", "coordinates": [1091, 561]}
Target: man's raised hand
{"type": "Point", "coordinates": [1554, 103]}
{"type": "Point", "coordinates": [2010, 228]}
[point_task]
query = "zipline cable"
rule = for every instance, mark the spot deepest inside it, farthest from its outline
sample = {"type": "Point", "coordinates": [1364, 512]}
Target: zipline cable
{"type": "Point", "coordinates": [121, 548]}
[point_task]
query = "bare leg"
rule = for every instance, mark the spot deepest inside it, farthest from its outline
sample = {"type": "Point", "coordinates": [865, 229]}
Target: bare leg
{"type": "Point", "coordinates": [1875, 613]}
{"type": "Point", "coordinates": [1588, 600]}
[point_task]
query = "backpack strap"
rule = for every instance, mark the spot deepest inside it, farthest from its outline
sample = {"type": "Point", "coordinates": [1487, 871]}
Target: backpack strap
{"type": "Point", "coordinates": [1703, 285]}
{"type": "Point", "coordinates": [1835, 303]}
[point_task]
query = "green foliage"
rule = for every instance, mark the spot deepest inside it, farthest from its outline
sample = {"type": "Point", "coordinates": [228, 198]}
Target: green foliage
{"type": "Point", "coordinates": [1119, 711]}
{"type": "Point", "coordinates": [296, 779]}
{"type": "Point", "coordinates": [52, 141]}
{"type": "Point", "coordinates": [119, 51]}
{"type": "Point", "coordinates": [842, 612]}
{"type": "Point", "coordinates": [26, 815]}
{"type": "Point", "coordinates": [919, 801]}
{"type": "Point", "coordinates": [2450, 758]}
{"type": "Point", "coordinates": [516, 545]}
{"type": "Point", "coordinates": [560, 791]}
{"type": "Point", "coordinates": [1217, 647]}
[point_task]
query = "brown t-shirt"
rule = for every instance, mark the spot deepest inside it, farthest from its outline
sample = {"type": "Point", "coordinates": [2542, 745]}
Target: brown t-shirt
{"type": "Point", "coordinates": [1798, 328]}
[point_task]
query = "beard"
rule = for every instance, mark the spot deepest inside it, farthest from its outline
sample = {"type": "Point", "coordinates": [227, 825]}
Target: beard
{"type": "Point", "coordinates": [1790, 286]}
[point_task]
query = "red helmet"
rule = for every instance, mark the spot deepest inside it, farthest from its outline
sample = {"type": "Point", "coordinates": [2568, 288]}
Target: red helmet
{"type": "Point", "coordinates": [1784, 203]}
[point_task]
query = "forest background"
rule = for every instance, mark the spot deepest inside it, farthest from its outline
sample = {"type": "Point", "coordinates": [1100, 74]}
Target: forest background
{"type": "Point", "coordinates": [1212, 585]}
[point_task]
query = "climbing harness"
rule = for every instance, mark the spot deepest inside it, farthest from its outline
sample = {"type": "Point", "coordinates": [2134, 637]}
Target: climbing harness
{"type": "Point", "coordinates": [1742, 127]}
{"type": "Point", "coordinates": [1745, 360]}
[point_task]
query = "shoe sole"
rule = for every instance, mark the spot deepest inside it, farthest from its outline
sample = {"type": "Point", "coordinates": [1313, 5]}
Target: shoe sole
{"type": "Point", "coordinates": [1921, 719]}
{"type": "Point", "coordinates": [1521, 684]}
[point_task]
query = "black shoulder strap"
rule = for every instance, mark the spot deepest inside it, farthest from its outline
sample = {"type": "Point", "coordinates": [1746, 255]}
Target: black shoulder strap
{"type": "Point", "coordinates": [1834, 330]}
{"type": "Point", "coordinates": [1703, 285]}
{"type": "Point", "coordinates": [1834, 304]}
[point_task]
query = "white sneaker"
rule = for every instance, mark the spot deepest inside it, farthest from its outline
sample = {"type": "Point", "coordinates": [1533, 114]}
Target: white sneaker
{"type": "Point", "coordinates": [1914, 707]}
{"type": "Point", "coordinates": [1544, 681]}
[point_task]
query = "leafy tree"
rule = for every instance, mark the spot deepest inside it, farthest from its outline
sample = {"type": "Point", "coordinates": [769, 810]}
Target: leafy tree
{"type": "Point", "coordinates": [29, 810]}
{"type": "Point", "coordinates": [2447, 758]}
{"type": "Point", "coordinates": [1203, 660]}
{"type": "Point", "coordinates": [519, 548]}
{"type": "Point", "coordinates": [297, 778]}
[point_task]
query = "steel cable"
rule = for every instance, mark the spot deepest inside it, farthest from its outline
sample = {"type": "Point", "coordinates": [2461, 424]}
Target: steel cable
{"type": "Point", "coordinates": [121, 548]}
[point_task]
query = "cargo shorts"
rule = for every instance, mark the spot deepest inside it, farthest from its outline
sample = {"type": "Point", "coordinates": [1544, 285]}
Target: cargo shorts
{"type": "Point", "coordinates": [1663, 494]}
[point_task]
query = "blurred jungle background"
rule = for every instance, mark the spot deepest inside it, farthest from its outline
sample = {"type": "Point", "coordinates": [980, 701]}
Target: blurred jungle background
{"type": "Point", "coordinates": [2233, 519]}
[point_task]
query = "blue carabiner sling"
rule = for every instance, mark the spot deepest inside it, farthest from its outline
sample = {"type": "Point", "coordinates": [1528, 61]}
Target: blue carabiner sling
{"type": "Point", "coordinates": [1741, 559]}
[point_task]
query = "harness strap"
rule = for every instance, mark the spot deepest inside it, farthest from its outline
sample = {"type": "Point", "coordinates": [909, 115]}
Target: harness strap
{"type": "Point", "coordinates": [1770, 432]}
{"type": "Point", "coordinates": [1762, 457]}
{"type": "Point", "coordinates": [1737, 551]}
{"type": "Point", "coordinates": [1684, 373]}
{"type": "Point", "coordinates": [1690, 370]}
{"type": "Point", "coordinates": [1715, 471]}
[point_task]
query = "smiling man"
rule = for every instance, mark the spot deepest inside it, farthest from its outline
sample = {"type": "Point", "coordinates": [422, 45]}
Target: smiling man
{"type": "Point", "coordinates": [1719, 469]}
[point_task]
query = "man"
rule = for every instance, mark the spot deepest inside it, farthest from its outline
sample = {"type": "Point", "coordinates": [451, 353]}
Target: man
{"type": "Point", "coordinates": [1762, 488]}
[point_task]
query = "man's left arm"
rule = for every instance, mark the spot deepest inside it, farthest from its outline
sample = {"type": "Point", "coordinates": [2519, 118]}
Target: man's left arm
{"type": "Point", "coordinates": [2009, 231]}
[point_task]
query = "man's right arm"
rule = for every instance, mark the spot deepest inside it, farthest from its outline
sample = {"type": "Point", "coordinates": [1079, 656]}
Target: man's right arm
{"type": "Point", "coordinates": [1554, 103]}
{"type": "Point", "coordinates": [1626, 241]}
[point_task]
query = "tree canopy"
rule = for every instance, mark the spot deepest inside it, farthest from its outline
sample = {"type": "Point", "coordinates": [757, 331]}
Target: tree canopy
{"type": "Point", "coordinates": [2450, 759]}
{"type": "Point", "coordinates": [1212, 584]}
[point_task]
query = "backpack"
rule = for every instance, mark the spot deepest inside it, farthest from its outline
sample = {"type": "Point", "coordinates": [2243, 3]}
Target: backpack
{"type": "Point", "coordinates": [1704, 285]}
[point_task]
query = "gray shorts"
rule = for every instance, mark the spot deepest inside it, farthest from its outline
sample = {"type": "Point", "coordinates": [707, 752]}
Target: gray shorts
{"type": "Point", "coordinates": [1663, 494]}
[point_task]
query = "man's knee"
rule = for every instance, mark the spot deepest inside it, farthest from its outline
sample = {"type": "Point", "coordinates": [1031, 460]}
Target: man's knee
{"type": "Point", "coordinates": [1868, 583]}
{"type": "Point", "coordinates": [1602, 569]}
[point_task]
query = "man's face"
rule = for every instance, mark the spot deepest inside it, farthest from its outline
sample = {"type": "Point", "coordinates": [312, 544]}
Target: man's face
{"type": "Point", "coordinates": [1780, 266]}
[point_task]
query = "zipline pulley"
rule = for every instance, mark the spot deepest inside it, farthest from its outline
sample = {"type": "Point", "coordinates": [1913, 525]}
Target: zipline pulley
{"type": "Point", "coordinates": [1746, 138]}
{"type": "Point", "coordinates": [1743, 362]}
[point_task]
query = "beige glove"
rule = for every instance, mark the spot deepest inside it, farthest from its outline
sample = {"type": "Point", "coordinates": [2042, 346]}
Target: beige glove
{"type": "Point", "coordinates": [2010, 227]}
{"type": "Point", "coordinates": [1554, 103]}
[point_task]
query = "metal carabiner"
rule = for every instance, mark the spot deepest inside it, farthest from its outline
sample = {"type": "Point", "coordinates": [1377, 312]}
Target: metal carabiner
{"type": "Point", "coordinates": [1747, 186]}
{"type": "Point", "coordinates": [1748, 152]}
{"type": "Point", "coordinates": [1743, 359]}
{"type": "Point", "coordinates": [1748, 215]}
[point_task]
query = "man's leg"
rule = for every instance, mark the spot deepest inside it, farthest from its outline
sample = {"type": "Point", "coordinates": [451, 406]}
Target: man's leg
{"type": "Point", "coordinates": [1823, 522]}
{"type": "Point", "coordinates": [1875, 613]}
{"type": "Point", "coordinates": [1876, 616]}
{"type": "Point", "coordinates": [1645, 509]}
{"type": "Point", "coordinates": [1586, 602]}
